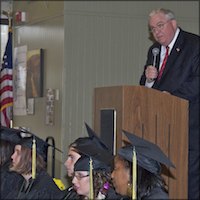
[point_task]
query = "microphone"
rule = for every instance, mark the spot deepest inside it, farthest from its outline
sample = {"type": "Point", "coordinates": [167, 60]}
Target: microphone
{"type": "Point", "coordinates": [155, 52]}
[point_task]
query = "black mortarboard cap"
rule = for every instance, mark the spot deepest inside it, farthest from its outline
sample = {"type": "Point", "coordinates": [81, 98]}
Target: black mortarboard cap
{"type": "Point", "coordinates": [81, 141]}
{"type": "Point", "coordinates": [95, 138]}
{"type": "Point", "coordinates": [149, 155]}
{"type": "Point", "coordinates": [10, 134]}
{"type": "Point", "coordinates": [83, 164]}
{"type": "Point", "coordinates": [27, 141]}
{"type": "Point", "coordinates": [102, 158]}
{"type": "Point", "coordinates": [41, 145]}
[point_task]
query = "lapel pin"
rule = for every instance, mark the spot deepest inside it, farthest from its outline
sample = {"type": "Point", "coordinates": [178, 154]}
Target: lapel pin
{"type": "Point", "coordinates": [177, 49]}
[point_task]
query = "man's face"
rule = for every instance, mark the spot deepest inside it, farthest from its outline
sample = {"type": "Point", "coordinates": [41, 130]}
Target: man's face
{"type": "Point", "coordinates": [162, 28]}
{"type": "Point", "coordinates": [72, 157]}
{"type": "Point", "coordinates": [16, 156]}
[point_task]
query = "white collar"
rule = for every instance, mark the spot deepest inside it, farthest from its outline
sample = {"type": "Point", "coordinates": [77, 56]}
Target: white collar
{"type": "Point", "coordinates": [172, 42]}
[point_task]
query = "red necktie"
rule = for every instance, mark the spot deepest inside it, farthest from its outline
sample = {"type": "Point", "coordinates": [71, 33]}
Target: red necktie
{"type": "Point", "coordinates": [163, 63]}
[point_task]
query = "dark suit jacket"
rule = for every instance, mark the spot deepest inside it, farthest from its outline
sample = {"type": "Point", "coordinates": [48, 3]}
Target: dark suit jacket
{"type": "Point", "coordinates": [181, 78]}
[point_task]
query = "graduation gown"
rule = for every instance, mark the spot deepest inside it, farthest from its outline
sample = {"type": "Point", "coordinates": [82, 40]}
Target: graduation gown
{"type": "Point", "coordinates": [112, 194]}
{"type": "Point", "coordinates": [156, 193]}
{"type": "Point", "coordinates": [70, 193]}
{"type": "Point", "coordinates": [43, 187]}
{"type": "Point", "coordinates": [9, 181]}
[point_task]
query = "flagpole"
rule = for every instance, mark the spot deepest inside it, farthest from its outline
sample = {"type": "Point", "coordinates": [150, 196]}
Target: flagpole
{"type": "Point", "coordinates": [10, 30]}
{"type": "Point", "coordinates": [9, 21]}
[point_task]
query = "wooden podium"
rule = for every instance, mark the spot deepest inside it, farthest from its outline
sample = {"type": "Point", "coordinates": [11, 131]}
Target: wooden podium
{"type": "Point", "coordinates": [156, 116]}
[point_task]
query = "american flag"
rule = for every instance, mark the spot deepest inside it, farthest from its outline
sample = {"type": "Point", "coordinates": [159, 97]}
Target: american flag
{"type": "Point", "coordinates": [6, 81]}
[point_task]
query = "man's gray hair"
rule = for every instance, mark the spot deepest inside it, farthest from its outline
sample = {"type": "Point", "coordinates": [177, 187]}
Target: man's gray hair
{"type": "Point", "coordinates": [168, 13]}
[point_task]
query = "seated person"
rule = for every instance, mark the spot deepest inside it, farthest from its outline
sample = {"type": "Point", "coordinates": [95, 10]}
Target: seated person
{"type": "Point", "coordinates": [92, 174]}
{"type": "Point", "coordinates": [74, 154]}
{"type": "Point", "coordinates": [29, 160]}
{"type": "Point", "coordinates": [9, 180]}
{"type": "Point", "coordinates": [147, 178]}
{"type": "Point", "coordinates": [72, 157]}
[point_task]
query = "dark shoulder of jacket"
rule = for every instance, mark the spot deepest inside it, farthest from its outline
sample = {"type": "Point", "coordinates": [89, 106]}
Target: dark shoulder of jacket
{"type": "Point", "coordinates": [70, 193]}
{"type": "Point", "coordinates": [188, 37]}
{"type": "Point", "coordinates": [112, 195]}
{"type": "Point", "coordinates": [125, 198]}
{"type": "Point", "coordinates": [157, 193]}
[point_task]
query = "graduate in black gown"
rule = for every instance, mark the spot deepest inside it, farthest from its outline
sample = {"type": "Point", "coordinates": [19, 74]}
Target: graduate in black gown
{"type": "Point", "coordinates": [92, 174]}
{"type": "Point", "coordinates": [74, 154]}
{"type": "Point", "coordinates": [29, 160]}
{"type": "Point", "coordinates": [9, 180]}
{"type": "Point", "coordinates": [137, 170]}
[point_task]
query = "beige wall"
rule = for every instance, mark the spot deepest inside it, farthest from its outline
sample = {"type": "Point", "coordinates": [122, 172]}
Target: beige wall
{"type": "Point", "coordinates": [106, 44]}
{"type": "Point", "coordinates": [87, 45]}
{"type": "Point", "coordinates": [44, 29]}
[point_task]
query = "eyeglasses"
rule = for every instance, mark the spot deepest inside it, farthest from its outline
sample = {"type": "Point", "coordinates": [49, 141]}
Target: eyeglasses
{"type": "Point", "coordinates": [159, 26]}
{"type": "Point", "coordinates": [80, 176]}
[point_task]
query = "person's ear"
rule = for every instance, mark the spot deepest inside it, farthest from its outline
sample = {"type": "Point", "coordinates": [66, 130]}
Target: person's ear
{"type": "Point", "coordinates": [174, 23]}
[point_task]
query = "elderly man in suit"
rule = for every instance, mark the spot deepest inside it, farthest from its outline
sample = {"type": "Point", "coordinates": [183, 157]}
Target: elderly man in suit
{"type": "Point", "coordinates": [172, 66]}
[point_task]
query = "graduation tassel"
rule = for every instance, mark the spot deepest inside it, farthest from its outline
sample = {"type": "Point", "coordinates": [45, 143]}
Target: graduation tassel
{"type": "Point", "coordinates": [91, 181]}
{"type": "Point", "coordinates": [34, 159]}
{"type": "Point", "coordinates": [134, 177]}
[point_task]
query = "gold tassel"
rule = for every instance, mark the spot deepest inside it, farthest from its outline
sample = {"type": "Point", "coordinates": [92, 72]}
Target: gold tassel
{"type": "Point", "coordinates": [134, 176]}
{"type": "Point", "coordinates": [91, 181]}
{"type": "Point", "coordinates": [34, 159]}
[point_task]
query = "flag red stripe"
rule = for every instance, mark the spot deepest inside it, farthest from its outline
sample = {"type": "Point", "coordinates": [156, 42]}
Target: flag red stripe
{"type": "Point", "coordinates": [6, 82]}
{"type": "Point", "coordinates": [6, 77]}
{"type": "Point", "coordinates": [6, 119]}
{"type": "Point", "coordinates": [5, 89]}
{"type": "Point", "coordinates": [6, 101]}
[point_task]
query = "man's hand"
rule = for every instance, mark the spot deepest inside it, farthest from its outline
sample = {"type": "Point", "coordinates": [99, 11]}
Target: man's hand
{"type": "Point", "coordinates": [151, 73]}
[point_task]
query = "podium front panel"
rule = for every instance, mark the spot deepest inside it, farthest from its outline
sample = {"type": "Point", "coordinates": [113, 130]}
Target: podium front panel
{"type": "Point", "coordinates": [153, 115]}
